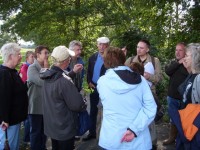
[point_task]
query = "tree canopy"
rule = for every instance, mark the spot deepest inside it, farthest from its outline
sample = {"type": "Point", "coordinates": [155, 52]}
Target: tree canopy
{"type": "Point", "coordinates": [54, 23]}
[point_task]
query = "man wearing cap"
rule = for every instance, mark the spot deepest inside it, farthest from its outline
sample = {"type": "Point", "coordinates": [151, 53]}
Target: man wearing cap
{"type": "Point", "coordinates": [95, 70]}
{"type": "Point", "coordinates": [61, 102]}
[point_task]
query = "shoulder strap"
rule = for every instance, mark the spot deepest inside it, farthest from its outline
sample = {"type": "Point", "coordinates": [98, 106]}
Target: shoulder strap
{"type": "Point", "coordinates": [131, 59]}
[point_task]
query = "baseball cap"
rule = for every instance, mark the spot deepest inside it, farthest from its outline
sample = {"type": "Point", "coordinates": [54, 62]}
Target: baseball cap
{"type": "Point", "coordinates": [103, 40]}
{"type": "Point", "coordinates": [61, 53]}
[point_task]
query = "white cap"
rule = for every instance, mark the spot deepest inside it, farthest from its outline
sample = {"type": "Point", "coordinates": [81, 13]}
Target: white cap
{"type": "Point", "coordinates": [103, 40]}
{"type": "Point", "coordinates": [61, 53]}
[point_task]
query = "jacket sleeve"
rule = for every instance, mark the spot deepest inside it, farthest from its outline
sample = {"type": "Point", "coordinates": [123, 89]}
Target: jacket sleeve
{"type": "Point", "coordinates": [6, 96]}
{"type": "Point", "coordinates": [34, 75]}
{"type": "Point", "coordinates": [72, 97]}
{"type": "Point", "coordinates": [72, 74]}
{"type": "Point", "coordinates": [158, 74]}
{"type": "Point", "coordinates": [171, 68]}
{"type": "Point", "coordinates": [146, 113]}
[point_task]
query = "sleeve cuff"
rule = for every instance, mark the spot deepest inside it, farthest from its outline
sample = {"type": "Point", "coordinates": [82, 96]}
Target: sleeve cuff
{"type": "Point", "coordinates": [132, 131]}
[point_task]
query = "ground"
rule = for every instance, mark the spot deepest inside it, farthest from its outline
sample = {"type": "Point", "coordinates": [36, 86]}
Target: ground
{"type": "Point", "coordinates": [162, 133]}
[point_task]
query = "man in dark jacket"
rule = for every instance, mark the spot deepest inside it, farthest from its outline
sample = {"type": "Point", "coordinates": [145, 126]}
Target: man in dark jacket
{"type": "Point", "coordinates": [177, 73]}
{"type": "Point", "coordinates": [62, 101]}
{"type": "Point", "coordinates": [95, 70]}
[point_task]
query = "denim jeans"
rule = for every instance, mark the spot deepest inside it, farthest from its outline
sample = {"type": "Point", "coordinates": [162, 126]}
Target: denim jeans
{"type": "Point", "coordinates": [94, 100]}
{"type": "Point", "coordinates": [26, 131]}
{"type": "Point", "coordinates": [37, 137]}
{"type": "Point", "coordinates": [175, 102]}
{"type": "Point", "coordinates": [13, 137]}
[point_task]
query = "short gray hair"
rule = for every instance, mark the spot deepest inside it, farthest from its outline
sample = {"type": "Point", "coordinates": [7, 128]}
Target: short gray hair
{"type": "Point", "coordinates": [8, 49]}
{"type": "Point", "coordinates": [194, 48]}
{"type": "Point", "coordinates": [74, 43]}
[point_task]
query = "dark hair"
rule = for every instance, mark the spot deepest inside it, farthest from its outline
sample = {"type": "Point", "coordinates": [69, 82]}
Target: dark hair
{"type": "Point", "coordinates": [123, 47]}
{"type": "Point", "coordinates": [137, 67]}
{"type": "Point", "coordinates": [146, 42]}
{"type": "Point", "coordinates": [39, 48]}
{"type": "Point", "coordinates": [113, 57]}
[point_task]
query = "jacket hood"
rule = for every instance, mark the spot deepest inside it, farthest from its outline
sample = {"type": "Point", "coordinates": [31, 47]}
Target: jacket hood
{"type": "Point", "coordinates": [51, 74]}
{"type": "Point", "coordinates": [121, 79]}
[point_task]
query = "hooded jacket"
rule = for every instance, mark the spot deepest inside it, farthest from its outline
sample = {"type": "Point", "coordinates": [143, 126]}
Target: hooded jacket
{"type": "Point", "coordinates": [127, 103]}
{"type": "Point", "coordinates": [61, 102]}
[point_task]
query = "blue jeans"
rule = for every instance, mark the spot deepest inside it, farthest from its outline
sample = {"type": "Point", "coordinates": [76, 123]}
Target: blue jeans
{"type": "Point", "coordinates": [37, 137]}
{"type": "Point", "coordinates": [26, 131]}
{"type": "Point", "coordinates": [175, 102]}
{"type": "Point", "coordinates": [13, 137]}
{"type": "Point", "coordinates": [94, 100]}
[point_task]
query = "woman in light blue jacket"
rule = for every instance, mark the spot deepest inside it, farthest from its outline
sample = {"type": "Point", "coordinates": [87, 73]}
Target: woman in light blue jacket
{"type": "Point", "coordinates": [128, 105]}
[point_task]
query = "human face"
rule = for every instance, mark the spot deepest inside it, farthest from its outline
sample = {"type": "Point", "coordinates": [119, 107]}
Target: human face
{"type": "Point", "coordinates": [180, 52]}
{"type": "Point", "coordinates": [30, 59]}
{"type": "Point", "coordinates": [16, 59]}
{"type": "Point", "coordinates": [43, 55]}
{"type": "Point", "coordinates": [188, 60]}
{"type": "Point", "coordinates": [124, 50]}
{"type": "Point", "coordinates": [102, 47]}
{"type": "Point", "coordinates": [78, 50]}
{"type": "Point", "coordinates": [142, 49]}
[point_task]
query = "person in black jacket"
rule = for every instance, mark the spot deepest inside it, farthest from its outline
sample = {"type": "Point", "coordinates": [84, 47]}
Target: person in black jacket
{"type": "Point", "coordinates": [13, 96]}
{"type": "Point", "coordinates": [177, 73]}
{"type": "Point", "coordinates": [95, 70]}
{"type": "Point", "coordinates": [61, 101]}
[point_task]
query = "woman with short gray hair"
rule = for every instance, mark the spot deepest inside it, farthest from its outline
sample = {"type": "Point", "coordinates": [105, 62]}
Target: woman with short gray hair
{"type": "Point", "coordinates": [188, 117]}
{"type": "Point", "coordinates": [13, 93]}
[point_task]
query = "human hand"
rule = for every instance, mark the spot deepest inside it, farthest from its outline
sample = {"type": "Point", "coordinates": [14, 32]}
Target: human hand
{"type": "Point", "coordinates": [146, 75]}
{"type": "Point", "coordinates": [128, 136]}
{"type": "Point", "coordinates": [46, 63]}
{"type": "Point", "coordinates": [4, 125]}
{"type": "Point", "coordinates": [77, 68]}
{"type": "Point", "coordinates": [181, 61]}
{"type": "Point", "coordinates": [92, 86]}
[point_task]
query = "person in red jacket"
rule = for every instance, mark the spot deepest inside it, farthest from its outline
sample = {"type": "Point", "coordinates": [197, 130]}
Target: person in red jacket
{"type": "Point", "coordinates": [23, 74]}
{"type": "Point", "coordinates": [24, 67]}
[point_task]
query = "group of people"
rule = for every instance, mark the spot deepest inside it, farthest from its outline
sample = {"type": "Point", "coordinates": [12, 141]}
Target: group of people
{"type": "Point", "coordinates": [48, 100]}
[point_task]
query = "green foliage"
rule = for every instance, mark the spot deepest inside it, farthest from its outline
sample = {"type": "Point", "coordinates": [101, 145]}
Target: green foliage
{"type": "Point", "coordinates": [6, 37]}
{"type": "Point", "coordinates": [1, 61]}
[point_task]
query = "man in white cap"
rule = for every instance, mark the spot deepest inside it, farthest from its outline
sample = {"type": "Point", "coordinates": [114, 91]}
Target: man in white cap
{"type": "Point", "coordinates": [95, 70]}
{"type": "Point", "coordinates": [61, 102]}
